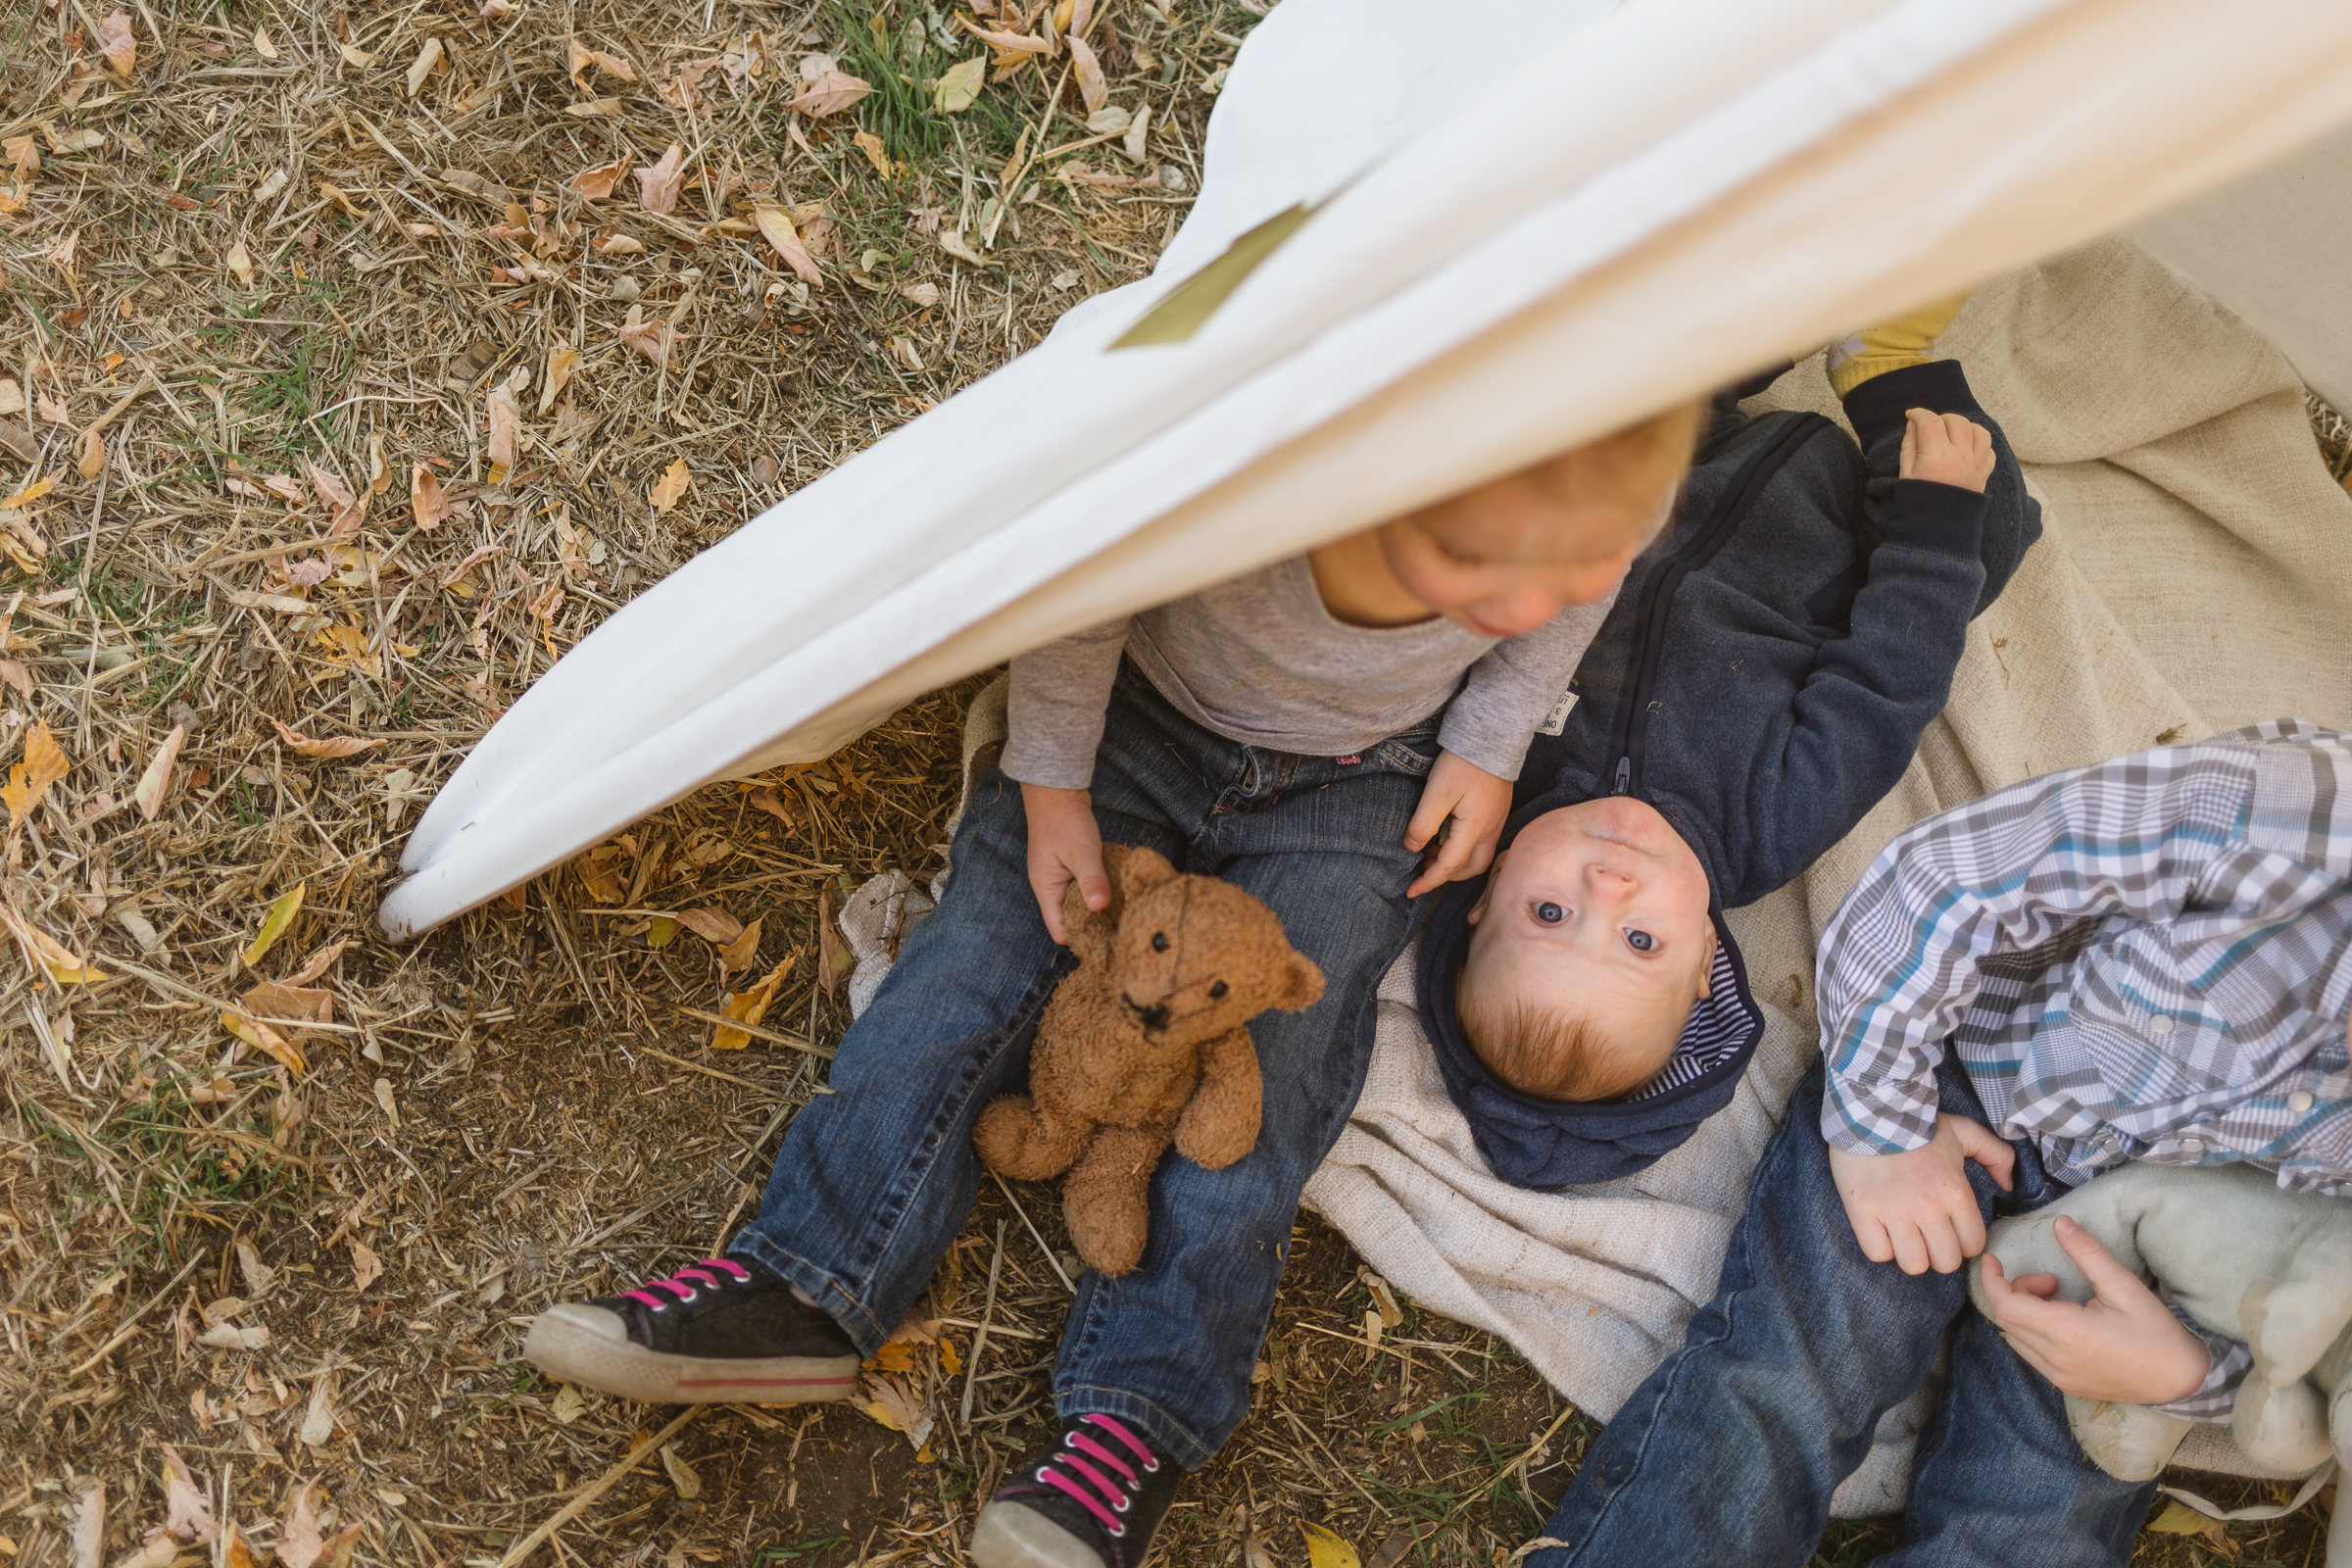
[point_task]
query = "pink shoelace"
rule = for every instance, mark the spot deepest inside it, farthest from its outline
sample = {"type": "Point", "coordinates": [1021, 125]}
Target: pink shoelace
{"type": "Point", "coordinates": [680, 1289]}
{"type": "Point", "coordinates": [1114, 1496]}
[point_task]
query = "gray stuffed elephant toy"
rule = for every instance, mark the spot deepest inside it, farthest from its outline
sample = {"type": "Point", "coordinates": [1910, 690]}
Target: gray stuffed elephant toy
{"type": "Point", "coordinates": [2243, 1258]}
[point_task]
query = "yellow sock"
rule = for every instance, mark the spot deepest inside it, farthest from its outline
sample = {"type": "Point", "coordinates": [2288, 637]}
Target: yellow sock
{"type": "Point", "coordinates": [1890, 345]}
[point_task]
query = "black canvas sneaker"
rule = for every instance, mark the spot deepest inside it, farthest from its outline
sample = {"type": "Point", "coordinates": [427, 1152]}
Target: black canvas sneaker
{"type": "Point", "coordinates": [717, 1333]}
{"type": "Point", "coordinates": [1094, 1499]}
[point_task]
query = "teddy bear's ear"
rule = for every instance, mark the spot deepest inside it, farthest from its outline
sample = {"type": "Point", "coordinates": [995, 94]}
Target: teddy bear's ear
{"type": "Point", "coordinates": [1141, 867]}
{"type": "Point", "coordinates": [1302, 985]}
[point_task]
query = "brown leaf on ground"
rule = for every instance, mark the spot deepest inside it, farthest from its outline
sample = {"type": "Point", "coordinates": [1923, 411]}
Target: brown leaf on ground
{"type": "Point", "coordinates": [561, 362]}
{"type": "Point", "coordinates": [93, 454]}
{"type": "Point", "coordinates": [715, 926]}
{"type": "Point", "coordinates": [582, 56]}
{"type": "Point", "coordinates": [831, 93]}
{"type": "Point", "coordinates": [650, 338]}
{"type": "Point", "coordinates": [276, 1001]}
{"type": "Point", "coordinates": [776, 223]}
{"type": "Point", "coordinates": [875, 153]}
{"type": "Point", "coordinates": [1089, 72]}
{"type": "Point", "coordinates": [46, 953]}
{"type": "Point", "coordinates": [834, 960]}
{"type": "Point", "coordinates": [600, 873]}
{"type": "Point", "coordinates": [658, 183]}
{"type": "Point", "coordinates": [684, 89]}
{"type": "Point", "coordinates": [345, 509]}
{"type": "Point", "coordinates": [187, 1515]}
{"type": "Point", "coordinates": [317, 963]}
{"type": "Point", "coordinates": [768, 800]}
{"type": "Point", "coordinates": [299, 1544]}
{"type": "Point", "coordinates": [155, 781]}
{"type": "Point", "coordinates": [365, 1267]}
{"type": "Point", "coordinates": [239, 262]}
{"type": "Point", "coordinates": [670, 486]}
{"type": "Point", "coordinates": [597, 183]}
{"type": "Point", "coordinates": [431, 505]}
{"type": "Point", "coordinates": [331, 747]}
{"type": "Point", "coordinates": [116, 45]}
{"type": "Point", "coordinates": [506, 425]}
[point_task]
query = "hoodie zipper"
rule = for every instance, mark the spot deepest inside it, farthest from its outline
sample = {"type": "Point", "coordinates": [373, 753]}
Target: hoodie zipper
{"type": "Point", "coordinates": [1658, 598]}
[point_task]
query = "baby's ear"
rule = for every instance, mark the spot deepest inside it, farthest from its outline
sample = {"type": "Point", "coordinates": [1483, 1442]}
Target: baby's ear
{"type": "Point", "coordinates": [1302, 985]}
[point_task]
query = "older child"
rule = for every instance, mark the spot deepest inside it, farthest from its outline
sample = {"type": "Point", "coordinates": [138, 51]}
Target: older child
{"type": "Point", "coordinates": [2147, 958]}
{"type": "Point", "coordinates": [1303, 731]}
{"type": "Point", "coordinates": [1761, 683]}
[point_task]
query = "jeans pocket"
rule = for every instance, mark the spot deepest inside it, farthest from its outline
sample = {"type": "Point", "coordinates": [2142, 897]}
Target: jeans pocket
{"type": "Point", "coordinates": [1413, 751]}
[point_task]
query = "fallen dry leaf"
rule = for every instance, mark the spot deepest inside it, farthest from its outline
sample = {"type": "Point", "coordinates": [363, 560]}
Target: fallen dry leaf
{"type": "Point", "coordinates": [684, 89]}
{"type": "Point", "coordinates": [298, 1540]}
{"type": "Point", "coordinates": [620, 245]}
{"type": "Point", "coordinates": [115, 43]}
{"type": "Point", "coordinates": [316, 964]}
{"type": "Point", "coordinates": [280, 916]}
{"type": "Point", "coordinates": [715, 926]}
{"type": "Point", "coordinates": [17, 677]}
{"type": "Point", "coordinates": [90, 1526]}
{"type": "Point", "coordinates": [266, 1040]}
{"type": "Point", "coordinates": [365, 1267]}
{"type": "Point", "coordinates": [597, 183]}
{"type": "Point", "coordinates": [261, 45]}
{"type": "Point", "coordinates": [240, 263]}
{"type": "Point", "coordinates": [650, 338]}
{"type": "Point", "coordinates": [583, 56]}
{"type": "Point", "coordinates": [43, 764]}
{"type": "Point", "coordinates": [426, 500]}
{"type": "Point", "coordinates": [187, 1515]}
{"type": "Point", "coordinates": [600, 873]}
{"type": "Point", "coordinates": [1324, 1549]}
{"type": "Point", "coordinates": [670, 486]}
{"type": "Point", "coordinates": [155, 781]}
{"type": "Point", "coordinates": [749, 1007]}
{"type": "Point", "coordinates": [768, 800]}
{"type": "Point", "coordinates": [1133, 143]}
{"type": "Point", "coordinates": [332, 747]}
{"type": "Point", "coordinates": [658, 183]}
{"type": "Point", "coordinates": [681, 1475]}
{"type": "Point", "coordinates": [776, 223]}
{"type": "Point", "coordinates": [875, 153]}
{"type": "Point", "coordinates": [741, 954]}
{"type": "Point", "coordinates": [959, 86]}
{"type": "Point", "coordinates": [831, 93]}
{"type": "Point", "coordinates": [890, 1401]}
{"type": "Point", "coordinates": [427, 60]}
{"type": "Point", "coordinates": [93, 454]}
{"type": "Point", "coordinates": [277, 1000]}
{"type": "Point", "coordinates": [345, 509]}
{"type": "Point", "coordinates": [1089, 72]}
{"type": "Point", "coordinates": [561, 362]}
{"type": "Point", "coordinates": [506, 424]}
{"type": "Point", "coordinates": [52, 957]}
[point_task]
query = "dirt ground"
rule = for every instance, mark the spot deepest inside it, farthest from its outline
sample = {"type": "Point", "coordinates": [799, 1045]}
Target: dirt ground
{"type": "Point", "coordinates": [338, 396]}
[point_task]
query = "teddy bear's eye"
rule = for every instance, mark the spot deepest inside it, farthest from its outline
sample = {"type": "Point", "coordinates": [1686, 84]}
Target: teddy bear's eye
{"type": "Point", "coordinates": [1160, 941]}
{"type": "Point", "coordinates": [1219, 989]}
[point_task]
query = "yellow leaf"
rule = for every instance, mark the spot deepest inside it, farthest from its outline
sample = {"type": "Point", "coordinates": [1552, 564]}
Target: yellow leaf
{"type": "Point", "coordinates": [660, 932]}
{"type": "Point", "coordinates": [871, 145]}
{"type": "Point", "coordinates": [749, 1007]}
{"type": "Point", "coordinates": [93, 454]}
{"type": "Point", "coordinates": [44, 764]}
{"type": "Point", "coordinates": [2177, 1519]}
{"type": "Point", "coordinates": [333, 745]}
{"type": "Point", "coordinates": [959, 86]}
{"type": "Point", "coordinates": [264, 1039]}
{"type": "Point", "coordinates": [895, 1357]}
{"type": "Point", "coordinates": [1323, 1548]}
{"type": "Point", "coordinates": [274, 924]}
{"type": "Point", "coordinates": [30, 494]}
{"type": "Point", "coordinates": [157, 779]}
{"type": "Point", "coordinates": [51, 957]}
{"type": "Point", "coordinates": [744, 951]}
{"type": "Point", "coordinates": [600, 873]}
{"type": "Point", "coordinates": [670, 486]}
{"type": "Point", "coordinates": [950, 1360]}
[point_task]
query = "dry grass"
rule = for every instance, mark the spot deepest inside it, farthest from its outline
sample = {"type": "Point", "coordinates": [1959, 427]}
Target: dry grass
{"type": "Point", "coordinates": [521, 1108]}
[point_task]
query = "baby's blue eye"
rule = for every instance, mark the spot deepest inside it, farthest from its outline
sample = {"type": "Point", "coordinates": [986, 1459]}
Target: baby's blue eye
{"type": "Point", "coordinates": [1551, 913]}
{"type": "Point", "coordinates": [1641, 941]}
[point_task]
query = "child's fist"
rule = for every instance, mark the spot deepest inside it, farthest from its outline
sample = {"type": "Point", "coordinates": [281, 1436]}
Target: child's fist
{"type": "Point", "coordinates": [1946, 449]}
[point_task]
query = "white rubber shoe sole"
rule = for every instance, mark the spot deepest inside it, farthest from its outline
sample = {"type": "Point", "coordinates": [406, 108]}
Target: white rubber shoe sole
{"type": "Point", "coordinates": [574, 1343]}
{"type": "Point", "coordinates": [1010, 1535]}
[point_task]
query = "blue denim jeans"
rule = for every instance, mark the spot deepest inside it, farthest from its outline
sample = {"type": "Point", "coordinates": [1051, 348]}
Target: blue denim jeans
{"type": "Point", "coordinates": [1728, 1452]}
{"type": "Point", "coordinates": [874, 1180]}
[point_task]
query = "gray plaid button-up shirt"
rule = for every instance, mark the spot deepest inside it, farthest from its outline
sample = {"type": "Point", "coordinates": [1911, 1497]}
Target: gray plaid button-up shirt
{"type": "Point", "coordinates": [2147, 958]}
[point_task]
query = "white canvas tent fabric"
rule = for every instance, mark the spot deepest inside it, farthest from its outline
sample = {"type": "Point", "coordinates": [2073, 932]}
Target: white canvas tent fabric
{"type": "Point", "coordinates": [1660, 197]}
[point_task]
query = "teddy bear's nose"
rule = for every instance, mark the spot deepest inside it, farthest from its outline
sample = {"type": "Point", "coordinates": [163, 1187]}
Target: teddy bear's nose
{"type": "Point", "coordinates": [1154, 1018]}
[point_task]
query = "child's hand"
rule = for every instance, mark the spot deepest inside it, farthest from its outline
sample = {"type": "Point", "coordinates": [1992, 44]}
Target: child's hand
{"type": "Point", "coordinates": [1948, 449]}
{"type": "Point", "coordinates": [1477, 800]}
{"type": "Point", "coordinates": [1916, 1210]}
{"type": "Point", "coordinates": [2125, 1346]}
{"type": "Point", "coordinates": [1064, 846]}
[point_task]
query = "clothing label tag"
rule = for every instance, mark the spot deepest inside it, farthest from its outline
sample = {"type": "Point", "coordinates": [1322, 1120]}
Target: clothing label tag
{"type": "Point", "coordinates": [1557, 719]}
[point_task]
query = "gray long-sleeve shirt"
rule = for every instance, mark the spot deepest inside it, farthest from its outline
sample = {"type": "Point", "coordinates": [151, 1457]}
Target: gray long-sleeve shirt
{"type": "Point", "coordinates": [1261, 660]}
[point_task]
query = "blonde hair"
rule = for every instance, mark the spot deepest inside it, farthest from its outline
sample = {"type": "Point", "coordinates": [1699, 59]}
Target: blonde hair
{"type": "Point", "coordinates": [1644, 462]}
{"type": "Point", "coordinates": [1551, 1057]}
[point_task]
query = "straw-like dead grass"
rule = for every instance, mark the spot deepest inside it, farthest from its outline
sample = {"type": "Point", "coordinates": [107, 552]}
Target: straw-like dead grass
{"type": "Point", "coordinates": [292, 260]}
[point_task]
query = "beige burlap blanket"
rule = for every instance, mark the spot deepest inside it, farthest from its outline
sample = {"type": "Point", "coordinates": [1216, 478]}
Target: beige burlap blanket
{"type": "Point", "coordinates": [2195, 573]}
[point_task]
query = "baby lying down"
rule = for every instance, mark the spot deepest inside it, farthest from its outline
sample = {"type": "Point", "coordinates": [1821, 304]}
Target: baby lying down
{"type": "Point", "coordinates": [1760, 684]}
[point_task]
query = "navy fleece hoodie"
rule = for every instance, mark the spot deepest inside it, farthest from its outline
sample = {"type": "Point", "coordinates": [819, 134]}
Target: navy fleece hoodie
{"type": "Point", "coordinates": [1762, 680]}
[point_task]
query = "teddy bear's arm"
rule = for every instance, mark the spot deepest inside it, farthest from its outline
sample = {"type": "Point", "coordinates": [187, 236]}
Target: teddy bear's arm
{"type": "Point", "coordinates": [1220, 1123]}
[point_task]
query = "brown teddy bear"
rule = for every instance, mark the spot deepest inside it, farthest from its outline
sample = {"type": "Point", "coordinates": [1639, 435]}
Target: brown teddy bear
{"type": "Point", "coordinates": [1144, 1044]}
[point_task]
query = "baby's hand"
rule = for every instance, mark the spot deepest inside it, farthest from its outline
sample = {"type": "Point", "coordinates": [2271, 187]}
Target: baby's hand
{"type": "Point", "coordinates": [1064, 846]}
{"type": "Point", "coordinates": [1477, 800]}
{"type": "Point", "coordinates": [1916, 1210]}
{"type": "Point", "coordinates": [1946, 448]}
{"type": "Point", "coordinates": [2125, 1346]}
